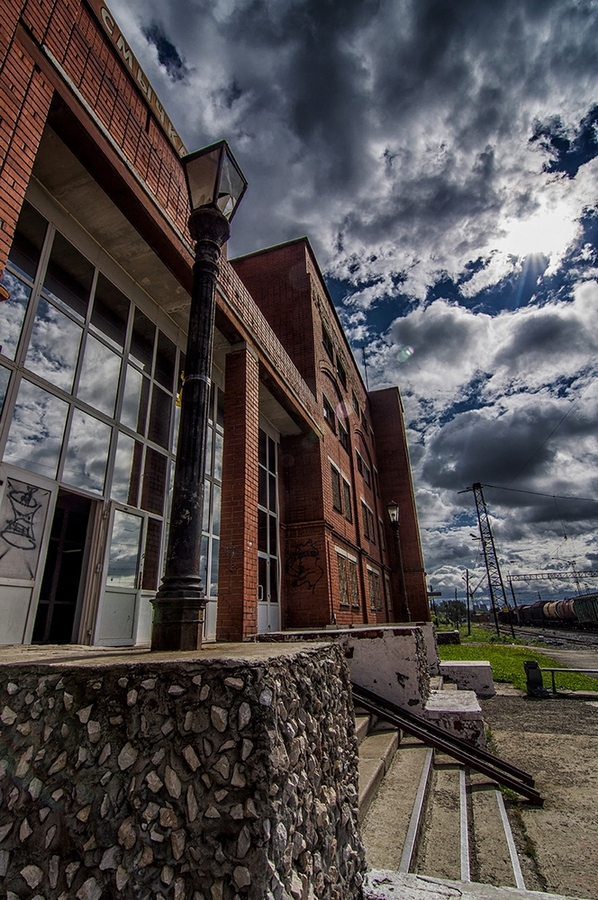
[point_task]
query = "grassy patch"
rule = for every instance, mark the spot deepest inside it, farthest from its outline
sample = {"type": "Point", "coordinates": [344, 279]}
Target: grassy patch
{"type": "Point", "coordinates": [507, 664]}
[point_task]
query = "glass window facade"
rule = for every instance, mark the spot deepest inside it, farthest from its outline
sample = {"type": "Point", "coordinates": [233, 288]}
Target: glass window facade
{"type": "Point", "coordinates": [87, 381]}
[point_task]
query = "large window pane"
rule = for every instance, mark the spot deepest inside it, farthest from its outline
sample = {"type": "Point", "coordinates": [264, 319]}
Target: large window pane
{"type": "Point", "coordinates": [110, 312]}
{"type": "Point", "coordinates": [36, 430]}
{"type": "Point", "coordinates": [216, 499]}
{"type": "Point", "coordinates": [165, 359]}
{"type": "Point", "coordinates": [127, 470]}
{"type": "Point", "coordinates": [13, 313]}
{"type": "Point", "coordinates": [135, 400]}
{"type": "Point", "coordinates": [4, 379]}
{"type": "Point", "coordinates": [98, 381]}
{"type": "Point", "coordinates": [159, 420]}
{"type": "Point", "coordinates": [123, 563]}
{"type": "Point", "coordinates": [69, 276]}
{"type": "Point", "coordinates": [142, 341]}
{"type": "Point", "coordinates": [154, 482]}
{"type": "Point", "coordinates": [54, 346]}
{"type": "Point", "coordinates": [87, 453]}
{"type": "Point", "coordinates": [218, 442]}
{"type": "Point", "coordinates": [28, 240]}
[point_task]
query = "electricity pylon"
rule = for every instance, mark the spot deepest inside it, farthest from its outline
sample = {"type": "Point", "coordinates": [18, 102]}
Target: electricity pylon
{"type": "Point", "coordinates": [495, 583]}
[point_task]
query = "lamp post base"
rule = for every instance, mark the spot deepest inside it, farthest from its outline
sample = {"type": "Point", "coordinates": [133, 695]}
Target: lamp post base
{"type": "Point", "coordinates": [179, 609]}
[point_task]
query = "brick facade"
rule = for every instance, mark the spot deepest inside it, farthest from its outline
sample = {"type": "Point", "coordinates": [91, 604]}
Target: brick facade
{"type": "Point", "coordinates": [68, 77]}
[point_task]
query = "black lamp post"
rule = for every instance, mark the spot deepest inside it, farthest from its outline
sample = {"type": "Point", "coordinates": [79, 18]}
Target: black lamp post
{"type": "Point", "coordinates": [393, 515]}
{"type": "Point", "coordinates": [216, 186]}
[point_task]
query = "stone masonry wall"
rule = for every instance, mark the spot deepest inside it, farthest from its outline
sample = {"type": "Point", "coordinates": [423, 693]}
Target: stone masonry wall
{"type": "Point", "coordinates": [185, 778]}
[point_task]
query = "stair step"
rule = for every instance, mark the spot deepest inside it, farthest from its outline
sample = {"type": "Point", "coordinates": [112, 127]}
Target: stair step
{"type": "Point", "coordinates": [386, 825]}
{"type": "Point", "coordinates": [362, 725]}
{"type": "Point", "coordinates": [376, 752]}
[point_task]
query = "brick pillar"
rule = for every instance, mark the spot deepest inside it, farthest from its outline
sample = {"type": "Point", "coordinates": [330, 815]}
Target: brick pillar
{"type": "Point", "coordinates": [237, 574]}
{"type": "Point", "coordinates": [25, 98]}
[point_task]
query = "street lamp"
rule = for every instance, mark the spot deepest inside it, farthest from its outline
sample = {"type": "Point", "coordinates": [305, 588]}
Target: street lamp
{"type": "Point", "coordinates": [393, 515]}
{"type": "Point", "coordinates": [216, 186]}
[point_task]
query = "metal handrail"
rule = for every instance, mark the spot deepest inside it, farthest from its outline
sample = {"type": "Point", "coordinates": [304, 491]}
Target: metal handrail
{"type": "Point", "coordinates": [433, 736]}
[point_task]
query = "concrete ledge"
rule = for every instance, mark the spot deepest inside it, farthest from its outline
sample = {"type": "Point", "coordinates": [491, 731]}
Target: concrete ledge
{"type": "Point", "coordinates": [458, 713]}
{"type": "Point", "coordinates": [385, 885]}
{"type": "Point", "coordinates": [470, 676]}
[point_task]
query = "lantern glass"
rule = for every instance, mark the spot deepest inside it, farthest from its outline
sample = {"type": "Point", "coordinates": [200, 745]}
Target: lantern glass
{"type": "Point", "coordinates": [214, 179]}
{"type": "Point", "coordinates": [393, 512]}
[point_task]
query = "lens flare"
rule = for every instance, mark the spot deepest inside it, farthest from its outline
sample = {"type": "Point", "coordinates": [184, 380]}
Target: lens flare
{"type": "Point", "coordinates": [405, 353]}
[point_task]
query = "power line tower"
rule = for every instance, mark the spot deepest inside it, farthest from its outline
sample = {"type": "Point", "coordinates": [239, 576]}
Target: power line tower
{"type": "Point", "coordinates": [495, 583]}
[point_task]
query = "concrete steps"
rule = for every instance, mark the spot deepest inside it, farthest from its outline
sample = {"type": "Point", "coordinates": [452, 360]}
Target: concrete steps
{"type": "Point", "coordinates": [423, 813]}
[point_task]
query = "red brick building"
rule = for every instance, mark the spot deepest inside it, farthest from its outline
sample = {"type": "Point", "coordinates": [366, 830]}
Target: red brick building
{"type": "Point", "coordinates": [96, 260]}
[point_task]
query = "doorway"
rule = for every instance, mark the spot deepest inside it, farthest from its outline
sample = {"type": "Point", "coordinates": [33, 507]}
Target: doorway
{"type": "Point", "coordinates": [60, 593]}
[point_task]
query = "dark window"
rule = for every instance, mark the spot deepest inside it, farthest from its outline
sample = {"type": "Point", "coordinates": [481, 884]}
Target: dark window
{"type": "Point", "coordinates": [368, 523]}
{"type": "Point", "coordinates": [343, 436]}
{"type": "Point", "coordinates": [329, 414]}
{"type": "Point", "coordinates": [347, 500]}
{"type": "Point", "coordinates": [69, 276]}
{"type": "Point", "coordinates": [110, 312]}
{"type": "Point", "coordinates": [355, 402]}
{"type": "Point", "coordinates": [340, 371]}
{"type": "Point", "coordinates": [359, 463]}
{"type": "Point", "coordinates": [28, 240]}
{"type": "Point", "coordinates": [327, 341]}
{"type": "Point", "coordinates": [336, 489]}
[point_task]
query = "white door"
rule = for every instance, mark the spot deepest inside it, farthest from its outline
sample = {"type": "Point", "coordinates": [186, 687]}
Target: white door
{"type": "Point", "coordinates": [26, 507]}
{"type": "Point", "coordinates": [268, 615]}
{"type": "Point", "coordinates": [124, 615]}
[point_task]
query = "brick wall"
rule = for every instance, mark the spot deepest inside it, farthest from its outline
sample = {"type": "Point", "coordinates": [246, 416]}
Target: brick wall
{"type": "Point", "coordinates": [396, 484]}
{"type": "Point", "coordinates": [237, 581]}
{"type": "Point", "coordinates": [25, 96]}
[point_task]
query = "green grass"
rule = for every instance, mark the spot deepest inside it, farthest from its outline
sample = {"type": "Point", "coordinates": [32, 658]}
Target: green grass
{"type": "Point", "coordinates": [507, 663]}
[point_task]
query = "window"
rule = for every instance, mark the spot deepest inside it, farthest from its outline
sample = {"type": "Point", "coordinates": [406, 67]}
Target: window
{"type": "Point", "coordinates": [347, 500]}
{"type": "Point", "coordinates": [368, 523]}
{"type": "Point", "coordinates": [340, 371]}
{"type": "Point", "coordinates": [327, 341]}
{"type": "Point", "coordinates": [363, 468]}
{"type": "Point", "coordinates": [336, 489]}
{"type": "Point", "coordinates": [329, 415]}
{"type": "Point", "coordinates": [374, 586]}
{"type": "Point", "coordinates": [382, 541]}
{"type": "Point", "coordinates": [364, 422]}
{"type": "Point", "coordinates": [347, 578]}
{"type": "Point", "coordinates": [355, 402]}
{"type": "Point", "coordinates": [343, 436]}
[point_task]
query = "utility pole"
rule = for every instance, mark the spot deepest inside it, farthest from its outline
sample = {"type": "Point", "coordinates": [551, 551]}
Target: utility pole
{"type": "Point", "coordinates": [467, 600]}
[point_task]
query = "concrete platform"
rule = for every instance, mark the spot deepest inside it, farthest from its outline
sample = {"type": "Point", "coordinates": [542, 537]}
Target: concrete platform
{"type": "Point", "coordinates": [470, 675]}
{"type": "Point", "coordinates": [385, 885]}
{"type": "Point", "coordinates": [459, 713]}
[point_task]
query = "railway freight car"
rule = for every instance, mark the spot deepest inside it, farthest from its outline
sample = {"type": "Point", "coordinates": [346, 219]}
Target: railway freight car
{"type": "Point", "coordinates": [586, 610]}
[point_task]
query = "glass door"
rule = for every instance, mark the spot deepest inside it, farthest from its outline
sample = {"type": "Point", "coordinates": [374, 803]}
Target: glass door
{"type": "Point", "coordinates": [120, 605]}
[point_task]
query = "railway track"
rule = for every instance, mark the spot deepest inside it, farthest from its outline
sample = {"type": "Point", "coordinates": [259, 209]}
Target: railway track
{"type": "Point", "coordinates": [561, 637]}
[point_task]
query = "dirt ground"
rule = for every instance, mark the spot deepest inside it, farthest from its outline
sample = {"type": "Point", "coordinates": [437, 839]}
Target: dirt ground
{"type": "Point", "coordinates": [556, 740]}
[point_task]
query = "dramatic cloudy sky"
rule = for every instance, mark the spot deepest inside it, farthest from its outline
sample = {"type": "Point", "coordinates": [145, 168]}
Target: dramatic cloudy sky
{"type": "Point", "coordinates": [442, 157]}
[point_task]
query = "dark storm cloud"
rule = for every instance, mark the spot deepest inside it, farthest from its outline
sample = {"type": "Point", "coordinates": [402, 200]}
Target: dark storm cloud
{"type": "Point", "coordinates": [569, 148]}
{"type": "Point", "coordinates": [168, 55]}
{"type": "Point", "coordinates": [407, 139]}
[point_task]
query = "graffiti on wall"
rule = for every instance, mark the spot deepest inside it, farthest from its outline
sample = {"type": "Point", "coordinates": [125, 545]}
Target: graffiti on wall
{"type": "Point", "coordinates": [22, 515]}
{"type": "Point", "coordinates": [303, 565]}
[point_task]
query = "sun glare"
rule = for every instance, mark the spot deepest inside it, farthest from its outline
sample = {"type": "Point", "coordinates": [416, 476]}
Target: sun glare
{"type": "Point", "coordinates": [549, 231]}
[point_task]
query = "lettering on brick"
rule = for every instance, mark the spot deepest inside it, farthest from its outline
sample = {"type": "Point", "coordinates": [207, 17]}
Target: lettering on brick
{"type": "Point", "coordinates": [117, 39]}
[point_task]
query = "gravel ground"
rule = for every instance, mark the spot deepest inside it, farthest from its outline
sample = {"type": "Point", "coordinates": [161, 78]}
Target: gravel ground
{"type": "Point", "coordinates": [556, 740]}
